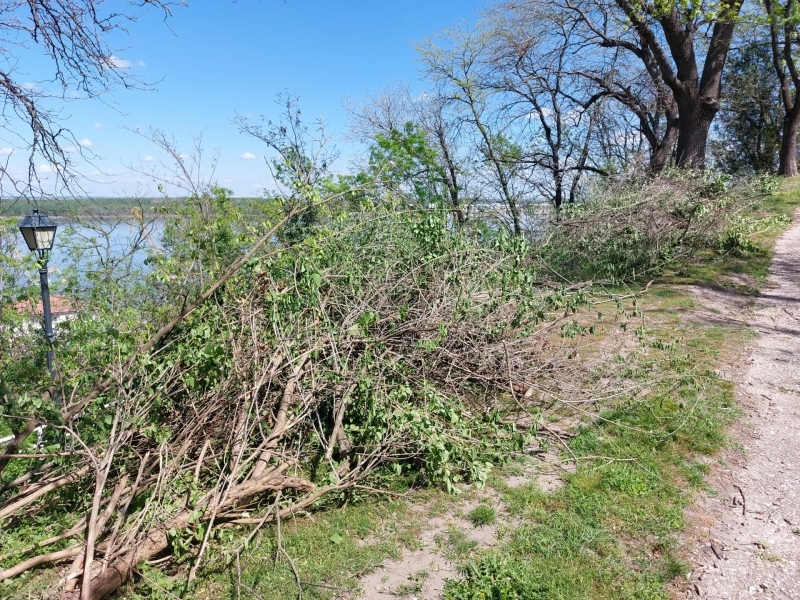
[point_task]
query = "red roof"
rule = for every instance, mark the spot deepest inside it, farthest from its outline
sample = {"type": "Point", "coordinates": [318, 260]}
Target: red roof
{"type": "Point", "coordinates": [59, 305]}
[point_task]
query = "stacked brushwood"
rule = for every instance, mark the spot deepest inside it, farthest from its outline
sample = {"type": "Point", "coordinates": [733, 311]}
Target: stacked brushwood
{"type": "Point", "coordinates": [297, 376]}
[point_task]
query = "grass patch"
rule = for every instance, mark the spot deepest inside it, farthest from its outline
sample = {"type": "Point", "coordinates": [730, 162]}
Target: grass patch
{"type": "Point", "coordinates": [609, 532]}
{"type": "Point", "coordinates": [330, 549]}
{"type": "Point", "coordinates": [482, 515]}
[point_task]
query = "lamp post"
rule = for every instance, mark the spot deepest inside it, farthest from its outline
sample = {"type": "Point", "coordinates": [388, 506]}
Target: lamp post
{"type": "Point", "coordinates": [39, 232]}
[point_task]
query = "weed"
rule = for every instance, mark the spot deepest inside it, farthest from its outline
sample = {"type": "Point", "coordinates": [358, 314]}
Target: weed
{"type": "Point", "coordinates": [456, 545]}
{"type": "Point", "coordinates": [415, 585]}
{"type": "Point", "coordinates": [482, 515]}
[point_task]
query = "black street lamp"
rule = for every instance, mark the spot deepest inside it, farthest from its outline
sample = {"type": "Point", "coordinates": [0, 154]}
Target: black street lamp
{"type": "Point", "coordinates": [39, 232]}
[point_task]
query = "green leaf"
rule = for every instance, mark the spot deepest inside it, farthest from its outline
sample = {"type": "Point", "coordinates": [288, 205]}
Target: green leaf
{"type": "Point", "coordinates": [336, 538]}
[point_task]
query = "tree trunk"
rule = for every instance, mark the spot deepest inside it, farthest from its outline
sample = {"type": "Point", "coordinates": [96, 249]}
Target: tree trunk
{"type": "Point", "coordinates": [660, 152]}
{"type": "Point", "coordinates": [558, 195]}
{"type": "Point", "coordinates": [788, 154]}
{"type": "Point", "coordinates": [694, 122]}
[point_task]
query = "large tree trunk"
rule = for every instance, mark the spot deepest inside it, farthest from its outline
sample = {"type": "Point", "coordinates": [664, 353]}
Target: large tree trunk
{"type": "Point", "coordinates": [694, 122]}
{"type": "Point", "coordinates": [788, 155]}
{"type": "Point", "coordinates": [782, 33]}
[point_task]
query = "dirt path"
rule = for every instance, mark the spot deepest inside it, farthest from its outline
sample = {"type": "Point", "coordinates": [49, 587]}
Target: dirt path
{"type": "Point", "coordinates": [746, 537]}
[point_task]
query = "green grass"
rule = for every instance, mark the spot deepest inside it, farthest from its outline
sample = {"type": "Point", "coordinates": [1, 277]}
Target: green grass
{"type": "Point", "coordinates": [455, 544]}
{"type": "Point", "coordinates": [609, 532]}
{"type": "Point", "coordinates": [330, 549]}
{"type": "Point", "coordinates": [482, 515]}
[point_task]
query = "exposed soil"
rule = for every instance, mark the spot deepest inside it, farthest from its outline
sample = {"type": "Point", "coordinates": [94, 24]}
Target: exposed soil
{"type": "Point", "coordinates": [421, 573]}
{"type": "Point", "coordinates": [744, 536]}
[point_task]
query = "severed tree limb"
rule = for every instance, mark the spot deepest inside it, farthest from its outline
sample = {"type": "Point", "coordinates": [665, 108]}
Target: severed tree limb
{"type": "Point", "coordinates": [40, 560]}
{"type": "Point", "coordinates": [30, 498]}
{"type": "Point", "coordinates": [74, 530]}
{"type": "Point", "coordinates": [280, 417]}
{"type": "Point", "coordinates": [100, 524]}
{"type": "Point", "coordinates": [19, 438]}
{"type": "Point", "coordinates": [337, 434]}
{"type": "Point", "coordinates": [115, 574]}
{"type": "Point", "coordinates": [22, 479]}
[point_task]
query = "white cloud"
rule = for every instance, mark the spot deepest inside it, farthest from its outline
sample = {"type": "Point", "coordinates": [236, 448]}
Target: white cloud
{"type": "Point", "coordinates": [44, 168]}
{"type": "Point", "coordinates": [248, 155]}
{"type": "Point", "coordinates": [183, 156]}
{"type": "Point", "coordinates": [141, 63]}
{"type": "Point", "coordinates": [228, 180]}
{"type": "Point", "coordinates": [6, 151]}
{"type": "Point", "coordinates": [148, 159]}
{"type": "Point", "coordinates": [119, 63]}
{"type": "Point", "coordinates": [98, 126]}
{"type": "Point", "coordinates": [257, 186]}
{"type": "Point", "coordinates": [85, 142]}
{"type": "Point", "coordinates": [71, 149]}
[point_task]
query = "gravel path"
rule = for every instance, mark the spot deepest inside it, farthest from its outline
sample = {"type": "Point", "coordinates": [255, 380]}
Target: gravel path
{"type": "Point", "coordinates": [746, 538]}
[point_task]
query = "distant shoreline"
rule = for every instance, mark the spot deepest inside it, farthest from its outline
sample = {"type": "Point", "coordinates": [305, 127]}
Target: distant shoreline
{"type": "Point", "coordinates": [95, 207]}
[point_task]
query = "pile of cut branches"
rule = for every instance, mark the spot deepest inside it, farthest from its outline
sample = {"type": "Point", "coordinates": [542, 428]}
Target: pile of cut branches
{"type": "Point", "coordinates": [630, 229]}
{"type": "Point", "coordinates": [387, 340]}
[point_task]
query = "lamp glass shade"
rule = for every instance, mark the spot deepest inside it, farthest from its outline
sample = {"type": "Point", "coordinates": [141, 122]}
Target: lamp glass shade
{"type": "Point", "coordinates": [39, 231]}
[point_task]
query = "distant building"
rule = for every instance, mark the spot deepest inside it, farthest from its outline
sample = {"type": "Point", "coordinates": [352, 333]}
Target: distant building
{"type": "Point", "coordinates": [61, 308]}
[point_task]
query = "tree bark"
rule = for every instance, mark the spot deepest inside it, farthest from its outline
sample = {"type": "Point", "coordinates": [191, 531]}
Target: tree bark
{"type": "Point", "coordinates": [788, 153]}
{"type": "Point", "coordinates": [693, 127]}
{"type": "Point", "coordinates": [783, 59]}
{"type": "Point", "coordinates": [661, 149]}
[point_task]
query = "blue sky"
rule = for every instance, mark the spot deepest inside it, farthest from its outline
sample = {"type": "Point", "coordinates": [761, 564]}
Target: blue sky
{"type": "Point", "coordinates": [218, 58]}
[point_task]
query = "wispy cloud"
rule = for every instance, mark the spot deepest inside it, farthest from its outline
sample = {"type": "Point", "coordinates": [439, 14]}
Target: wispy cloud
{"type": "Point", "coordinates": [248, 156]}
{"type": "Point", "coordinates": [183, 156]}
{"type": "Point", "coordinates": [6, 151]}
{"type": "Point", "coordinates": [85, 142]}
{"type": "Point", "coordinates": [148, 159]}
{"type": "Point", "coordinates": [98, 126]}
{"type": "Point", "coordinates": [257, 186]}
{"type": "Point", "coordinates": [118, 63]}
{"type": "Point", "coordinates": [141, 63]}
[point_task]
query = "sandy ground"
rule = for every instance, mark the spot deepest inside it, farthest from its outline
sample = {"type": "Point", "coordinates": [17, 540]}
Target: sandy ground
{"type": "Point", "coordinates": [744, 537]}
{"type": "Point", "coordinates": [420, 574]}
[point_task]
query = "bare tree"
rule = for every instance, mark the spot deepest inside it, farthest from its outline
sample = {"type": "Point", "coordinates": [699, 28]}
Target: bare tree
{"type": "Point", "coordinates": [457, 67]}
{"type": "Point", "coordinates": [74, 35]}
{"type": "Point", "coordinates": [535, 68]}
